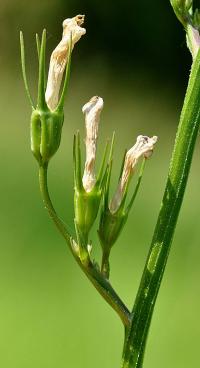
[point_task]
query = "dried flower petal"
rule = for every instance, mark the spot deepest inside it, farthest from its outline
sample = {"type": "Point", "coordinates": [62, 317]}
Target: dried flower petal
{"type": "Point", "coordinates": [144, 147]}
{"type": "Point", "coordinates": [71, 28]}
{"type": "Point", "coordinates": [92, 111]}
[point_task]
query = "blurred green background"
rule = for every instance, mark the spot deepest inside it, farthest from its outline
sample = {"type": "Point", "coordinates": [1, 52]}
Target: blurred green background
{"type": "Point", "coordinates": [134, 56]}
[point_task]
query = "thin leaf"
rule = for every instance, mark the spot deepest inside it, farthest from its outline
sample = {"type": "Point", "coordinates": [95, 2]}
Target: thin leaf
{"type": "Point", "coordinates": [137, 186]}
{"type": "Point", "coordinates": [23, 64]}
{"type": "Point", "coordinates": [38, 45]}
{"type": "Point", "coordinates": [101, 170]}
{"type": "Point", "coordinates": [122, 165]}
{"type": "Point", "coordinates": [41, 82]}
{"type": "Point", "coordinates": [108, 173]}
{"type": "Point", "coordinates": [77, 162]}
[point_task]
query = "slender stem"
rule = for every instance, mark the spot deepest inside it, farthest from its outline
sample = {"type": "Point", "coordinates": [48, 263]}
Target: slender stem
{"type": "Point", "coordinates": [167, 219]}
{"type": "Point", "coordinates": [105, 264]}
{"type": "Point", "coordinates": [94, 275]}
{"type": "Point", "coordinates": [49, 206]}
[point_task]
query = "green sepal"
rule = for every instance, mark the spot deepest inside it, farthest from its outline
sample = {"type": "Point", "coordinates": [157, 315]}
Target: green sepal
{"type": "Point", "coordinates": [128, 208]}
{"type": "Point", "coordinates": [182, 10]}
{"type": "Point", "coordinates": [110, 227]}
{"type": "Point", "coordinates": [38, 44]}
{"type": "Point", "coordinates": [46, 129]}
{"type": "Point", "coordinates": [111, 224]}
{"type": "Point", "coordinates": [106, 187]}
{"type": "Point", "coordinates": [186, 12]}
{"type": "Point", "coordinates": [23, 65]}
{"type": "Point", "coordinates": [196, 19]}
{"type": "Point", "coordinates": [41, 102]}
{"type": "Point", "coordinates": [77, 162]}
{"type": "Point", "coordinates": [86, 206]}
{"type": "Point", "coordinates": [102, 175]}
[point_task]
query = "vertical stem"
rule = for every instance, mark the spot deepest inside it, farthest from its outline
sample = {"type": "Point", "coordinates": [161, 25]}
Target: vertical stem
{"type": "Point", "coordinates": [166, 223]}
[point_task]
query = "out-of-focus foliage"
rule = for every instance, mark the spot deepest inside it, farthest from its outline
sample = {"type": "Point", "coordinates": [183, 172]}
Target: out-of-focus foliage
{"type": "Point", "coordinates": [133, 34]}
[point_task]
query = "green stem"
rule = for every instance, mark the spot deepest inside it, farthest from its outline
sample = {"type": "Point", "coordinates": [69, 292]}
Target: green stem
{"type": "Point", "coordinates": [105, 264]}
{"type": "Point", "coordinates": [94, 275]}
{"type": "Point", "coordinates": [48, 204]}
{"type": "Point", "coordinates": [167, 219]}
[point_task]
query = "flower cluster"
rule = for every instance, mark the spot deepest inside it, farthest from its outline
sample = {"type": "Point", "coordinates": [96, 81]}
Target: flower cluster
{"type": "Point", "coordinates": [48, 115]}
{"type": "Point", "coordinates": [91, 191]}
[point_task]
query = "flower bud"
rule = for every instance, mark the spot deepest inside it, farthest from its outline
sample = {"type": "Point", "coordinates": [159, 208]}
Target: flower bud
{"type": "Point", "coordinates": [48, 115]}
{"type": "Point", "coordinates": [143, 147]}
{"type": "Point", "coordinates": [88, 189]}
{"type": "Point", "coordinates": [46, 128]}
{"type": "Point", "coordinates": [114, 214]}
{"type": "Point", "coordinates": [86, 207]}
{"type": "Point", "coordinates": [110, 227]}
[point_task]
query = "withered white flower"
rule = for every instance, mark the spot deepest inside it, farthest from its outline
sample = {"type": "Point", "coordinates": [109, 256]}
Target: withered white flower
{"type": "Point", "coordinates": [71, 30]}
{"type": "Point", "coordinates": [143, 147]}
{"type": "Point", "coordinates": [92, 111]}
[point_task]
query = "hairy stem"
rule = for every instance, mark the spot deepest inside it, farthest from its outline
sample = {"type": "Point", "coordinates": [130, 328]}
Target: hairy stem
{"type": "Point", "coordinates": [166, 223]}
{"type": "Point", "coordinates": [94, 275]}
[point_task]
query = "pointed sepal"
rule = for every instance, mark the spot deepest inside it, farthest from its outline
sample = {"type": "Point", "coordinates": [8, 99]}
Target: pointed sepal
{"type": "Point", "coordinates": [23, 65]}
{"type": "Point", "coordinates": [38, 44]}
{"type": "Point", "coordinates": [41, 102]}
{"type": "Point", "coordinates": [77, 163]}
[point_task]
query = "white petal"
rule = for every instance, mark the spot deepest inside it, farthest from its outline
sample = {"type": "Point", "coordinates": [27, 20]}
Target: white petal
{"type": "Point", "coordinates": [143, 147]}
{"type": "Point", "coordinates": [71, 28]}
{"type": "Point", "coordinates": [92, 111]}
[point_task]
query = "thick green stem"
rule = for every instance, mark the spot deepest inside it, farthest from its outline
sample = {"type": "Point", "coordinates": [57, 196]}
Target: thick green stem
{"type": "Point", "coordinates": [94, 275]}
{"type": "Point", "coordinates": [167, 219]}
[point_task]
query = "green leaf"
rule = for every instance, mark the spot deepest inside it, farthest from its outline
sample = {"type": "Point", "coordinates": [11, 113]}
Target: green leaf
{"type": "Point", "coordinates": [77, 162]}
{"type": "Point", "coordinates": [100, 176]}
{"type": "Point", "coordinates": [137, 186]}
{"type": "Point", "coordinates": [38, 45]}
{"type": "Point", "coordinates": [23, 64]}
{"type": "Point", "coordinates": [108, 173]}
{"type": "Point", "coordinates": [41, 103]}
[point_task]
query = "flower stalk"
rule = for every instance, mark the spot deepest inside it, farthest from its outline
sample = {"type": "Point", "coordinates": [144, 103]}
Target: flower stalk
{"type": "Point", "coordinates": [102, 285]}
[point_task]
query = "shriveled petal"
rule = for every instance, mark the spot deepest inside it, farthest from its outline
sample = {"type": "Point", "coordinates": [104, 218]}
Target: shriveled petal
{"type": "Point", "coordinates": [143, 147]}
{"type": "Point", "coordinates": [92, 111]}
{"type": "Point", "coordinates": [71, 29]}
